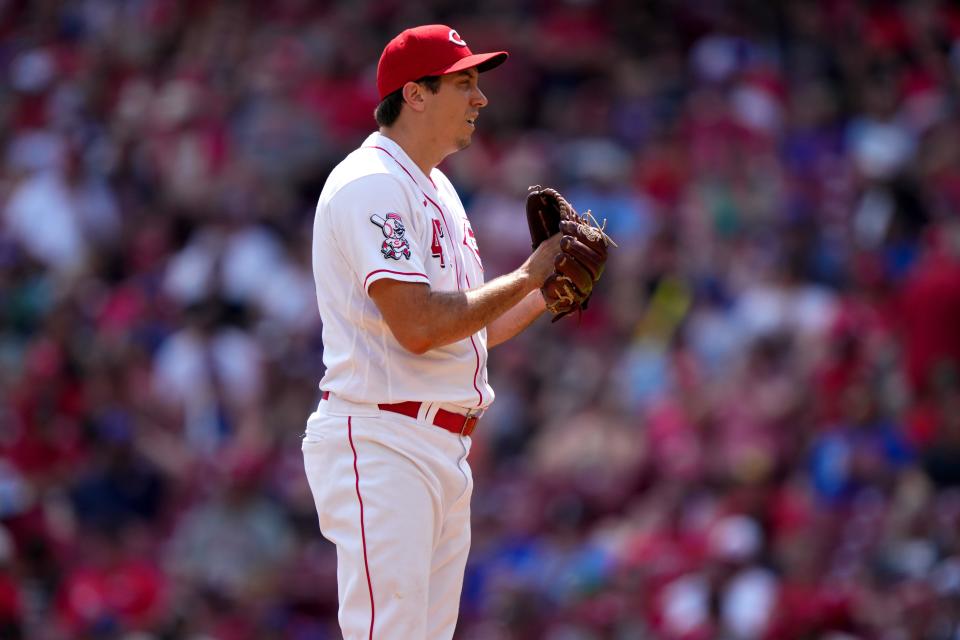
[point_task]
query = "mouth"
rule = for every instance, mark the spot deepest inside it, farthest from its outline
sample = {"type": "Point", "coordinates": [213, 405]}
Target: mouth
{"type": "Point", "coordinates": [472, 121]}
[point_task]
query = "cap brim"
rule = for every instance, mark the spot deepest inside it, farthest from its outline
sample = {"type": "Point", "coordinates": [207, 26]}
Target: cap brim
{"type": "Point", "coordinates": [482, 61]}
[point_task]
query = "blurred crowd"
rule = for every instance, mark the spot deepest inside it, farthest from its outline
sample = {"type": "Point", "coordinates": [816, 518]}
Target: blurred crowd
{"type": "Point", "coordinates": [752, 433]}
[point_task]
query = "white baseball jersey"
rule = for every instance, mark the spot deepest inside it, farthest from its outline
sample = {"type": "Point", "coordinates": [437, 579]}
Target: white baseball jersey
{"type": "Point", "coordinates": [379, 217]}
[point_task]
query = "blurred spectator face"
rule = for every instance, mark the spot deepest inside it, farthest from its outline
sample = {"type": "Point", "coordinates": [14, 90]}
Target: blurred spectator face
{"type": "Point", "coordinates": [74, 165]}
{"type": "Point", "coordinates": [858, 404]}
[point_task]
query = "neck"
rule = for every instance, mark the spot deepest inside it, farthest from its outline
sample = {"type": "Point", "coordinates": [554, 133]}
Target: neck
{"type": "Point", "coordinates": [415, 144]}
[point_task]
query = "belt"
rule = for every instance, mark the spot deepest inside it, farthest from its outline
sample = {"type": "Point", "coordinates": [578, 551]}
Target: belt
{"type": "Point", "coordinates": [452, 422]}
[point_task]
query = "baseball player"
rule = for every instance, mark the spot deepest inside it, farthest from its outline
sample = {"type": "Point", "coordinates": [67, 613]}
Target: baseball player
{"type": "Point", "coordinates": [407, 322]}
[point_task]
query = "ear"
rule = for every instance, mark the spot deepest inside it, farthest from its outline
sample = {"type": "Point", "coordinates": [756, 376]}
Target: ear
{"type": "Point", "coordinates": [413, 95]}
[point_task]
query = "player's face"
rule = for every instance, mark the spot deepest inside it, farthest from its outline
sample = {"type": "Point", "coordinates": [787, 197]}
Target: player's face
{"type": "Point", "coordinates": [456, 107]}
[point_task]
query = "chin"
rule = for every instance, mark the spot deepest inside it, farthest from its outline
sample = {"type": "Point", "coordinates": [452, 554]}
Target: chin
{"type": "Point", "coordinates": [463, 143]}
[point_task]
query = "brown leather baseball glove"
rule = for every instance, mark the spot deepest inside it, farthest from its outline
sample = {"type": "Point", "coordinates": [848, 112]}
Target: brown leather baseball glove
{"type": "Point", "coordinates": [583, 250]}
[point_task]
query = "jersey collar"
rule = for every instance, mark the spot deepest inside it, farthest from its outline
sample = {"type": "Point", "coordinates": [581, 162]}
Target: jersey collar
{"type": "Point", "coordinates": [377, 139]}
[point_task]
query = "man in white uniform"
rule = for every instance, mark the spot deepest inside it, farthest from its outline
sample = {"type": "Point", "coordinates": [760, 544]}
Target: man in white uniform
{"type": "Point", "coordinates": [407, 321]}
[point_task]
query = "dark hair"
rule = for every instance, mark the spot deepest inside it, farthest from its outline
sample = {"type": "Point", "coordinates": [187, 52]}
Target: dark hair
{"type": "Point", "coordinates": [388, 110]}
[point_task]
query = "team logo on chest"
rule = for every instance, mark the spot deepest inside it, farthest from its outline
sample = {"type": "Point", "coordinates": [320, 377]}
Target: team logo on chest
{"type": "Point", "coordinates": [394, 244]}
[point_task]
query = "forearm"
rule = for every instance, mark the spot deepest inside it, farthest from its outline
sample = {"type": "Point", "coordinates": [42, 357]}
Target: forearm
{"type": "Point", "coordinates": [443, 317]}
{"type": "Point", "coordinates": [421, 319]}
{"type": "Point", "coordinates": [515, 319]}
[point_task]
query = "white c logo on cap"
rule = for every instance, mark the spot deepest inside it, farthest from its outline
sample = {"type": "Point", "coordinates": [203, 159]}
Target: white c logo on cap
{"type": "Point", "coordinates": [456, 39]}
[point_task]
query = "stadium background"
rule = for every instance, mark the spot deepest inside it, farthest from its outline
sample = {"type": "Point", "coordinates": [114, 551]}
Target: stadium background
{"type": "Point", "coordinates": [754, 432]}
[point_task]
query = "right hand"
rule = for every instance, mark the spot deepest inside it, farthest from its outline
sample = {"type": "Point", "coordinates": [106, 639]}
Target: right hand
{"type": "Point", "coordinates": [541, 263]}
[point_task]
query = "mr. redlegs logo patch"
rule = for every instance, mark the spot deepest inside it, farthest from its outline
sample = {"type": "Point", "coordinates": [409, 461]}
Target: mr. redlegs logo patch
{"type": "Point", "coordinates": [395, 244]}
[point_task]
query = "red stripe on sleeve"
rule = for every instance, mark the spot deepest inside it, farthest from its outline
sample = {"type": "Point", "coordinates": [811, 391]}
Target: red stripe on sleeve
{"type": "Point", "coordinates": [399, 273]}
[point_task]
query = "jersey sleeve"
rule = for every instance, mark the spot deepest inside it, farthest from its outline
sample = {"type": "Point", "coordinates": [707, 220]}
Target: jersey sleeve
{"type": "Point", "coordinates": [379, 231]}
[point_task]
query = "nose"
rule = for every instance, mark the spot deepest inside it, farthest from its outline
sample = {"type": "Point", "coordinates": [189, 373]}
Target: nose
{"type": "Point", "coordinates": [479, 99]}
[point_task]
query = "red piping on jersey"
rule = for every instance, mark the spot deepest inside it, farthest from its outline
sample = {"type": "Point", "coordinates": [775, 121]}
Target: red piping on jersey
{"type": "Point", "coordinates": [399, 273]}
{"type": "Point", "coordinates": [363, 533]}
{"type": "Point", "coordinates": [456, 262]}
{"type": "Point", "coordinates": [476, 371]}
{"type": "Point", "coordinates": [373, 146]}
{"type": "Point", "coordinates": [476, 352]}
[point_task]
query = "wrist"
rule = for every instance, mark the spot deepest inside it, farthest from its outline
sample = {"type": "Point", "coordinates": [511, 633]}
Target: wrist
{"type": "Point", "coordinates": [528, 278]}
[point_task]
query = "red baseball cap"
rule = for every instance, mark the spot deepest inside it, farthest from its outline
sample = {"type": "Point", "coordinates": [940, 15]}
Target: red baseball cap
{"type": "Point", "coordinates": [428, 50]}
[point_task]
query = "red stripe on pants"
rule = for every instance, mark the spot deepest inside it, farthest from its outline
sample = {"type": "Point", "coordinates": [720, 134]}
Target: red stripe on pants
{"type": "Point", "coordinates": [363, 533]}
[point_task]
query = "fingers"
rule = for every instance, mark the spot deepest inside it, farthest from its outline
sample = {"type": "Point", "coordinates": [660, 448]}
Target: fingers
{"type": "Point", "coordinates": [541, 262]}
{"type": "Point", "coordinates": [569, 227]}
{"type": "Point", "coordinates": [584, 254]}
{"type": "Point", "coordinates": [553, 243]}
{"type": "Point", "coordinates": [549, 249]}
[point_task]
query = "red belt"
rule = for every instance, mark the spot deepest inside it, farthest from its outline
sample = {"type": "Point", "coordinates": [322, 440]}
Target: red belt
{"type": "Point", "coordinates": [452, 422]}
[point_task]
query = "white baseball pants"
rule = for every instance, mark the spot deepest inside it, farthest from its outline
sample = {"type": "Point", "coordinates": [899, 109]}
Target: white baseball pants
{"type": "Point", "coordinates": [393, 494]}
